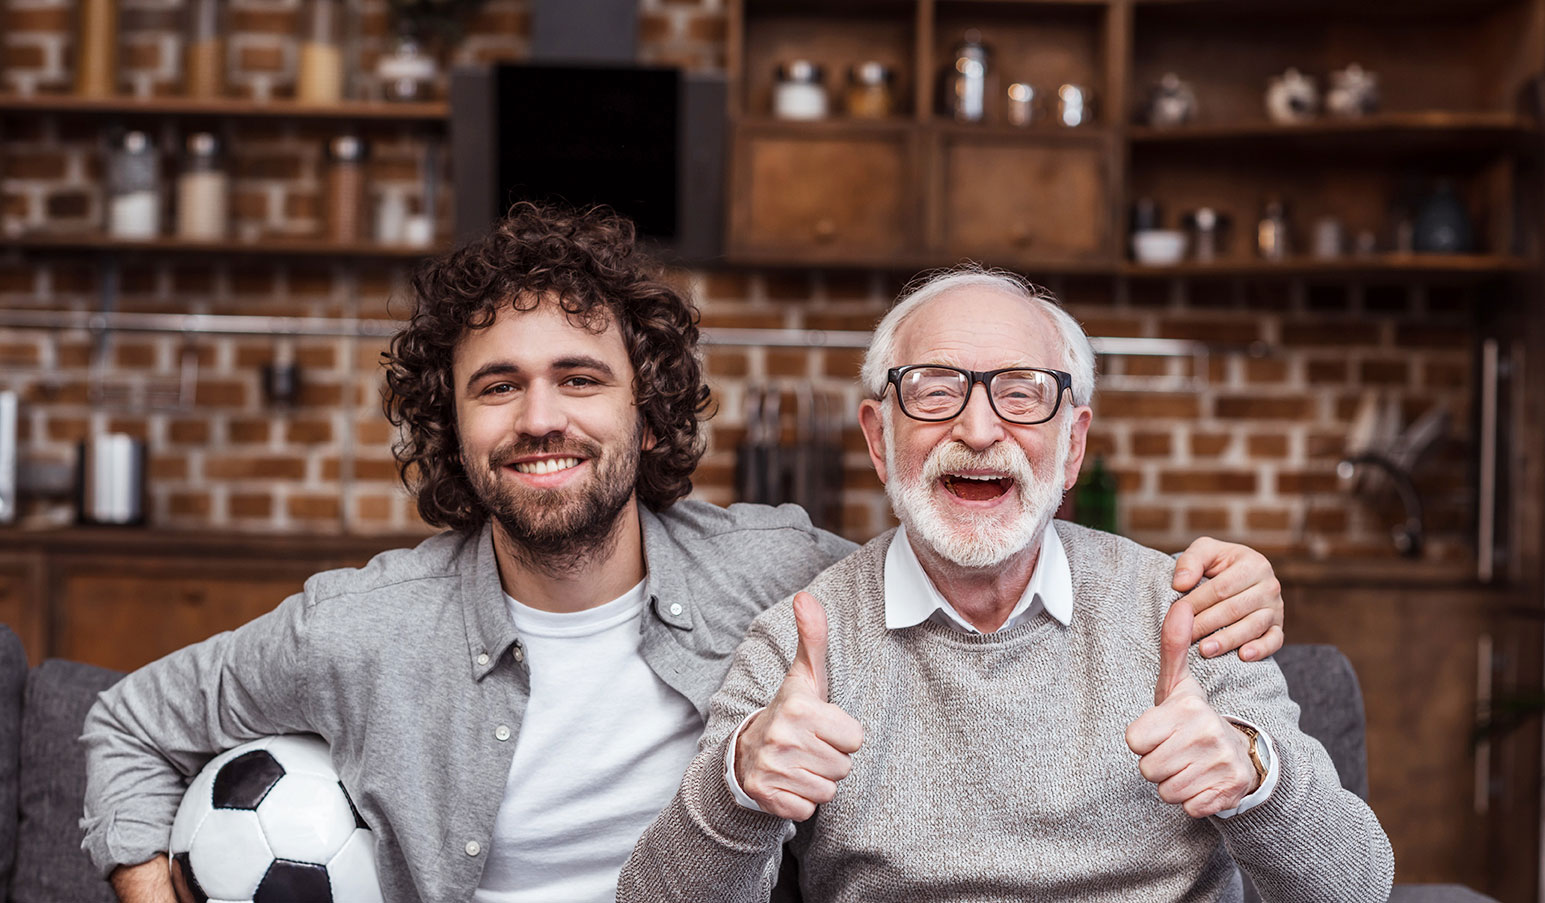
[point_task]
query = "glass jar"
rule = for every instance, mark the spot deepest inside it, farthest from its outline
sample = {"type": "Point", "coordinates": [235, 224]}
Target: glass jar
{"type": "Point", "coordinates": [203, 192]}
{"type": "Point", "coordinates": [967, 80]}
{"type": "Point", "coordinates": [800, 91]}
{"type": "Point", "coordinates": [407, 72]}
{"type": "Point", "coordinates": [871, 91]}
{"type": "Point", "coordinates": [133, 187]}
{"type": "Point", "coordinates": [346, 189]}
{"type": "Point", "coordinates": [204, 60]}
{"type": "Point", "coordinates": [320, 77]}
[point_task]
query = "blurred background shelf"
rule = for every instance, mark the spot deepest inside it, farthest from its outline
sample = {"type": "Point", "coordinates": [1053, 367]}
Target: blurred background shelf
{"type": "Point", "coordinates": [225, 107]}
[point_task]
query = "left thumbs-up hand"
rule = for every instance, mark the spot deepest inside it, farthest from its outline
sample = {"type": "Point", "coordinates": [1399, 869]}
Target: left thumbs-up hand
{"type": "Point", "coordinates": [1198, 760]}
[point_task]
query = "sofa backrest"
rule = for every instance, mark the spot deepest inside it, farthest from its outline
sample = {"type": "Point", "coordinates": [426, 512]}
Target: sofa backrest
{"type": "Point", "coordinates": [1330, 702]}
{"type": "Point", "coordinates": [50, 865]}
{"type": "Point", "coordinates": [13, 682]}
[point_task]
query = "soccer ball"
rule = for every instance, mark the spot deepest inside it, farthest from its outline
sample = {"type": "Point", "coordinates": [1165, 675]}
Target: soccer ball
{"type": "Point", "coordinates": [269, 822]}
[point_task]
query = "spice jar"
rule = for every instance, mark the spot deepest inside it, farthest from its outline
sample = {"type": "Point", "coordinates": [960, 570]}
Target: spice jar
{"type": "Point", "coordinates": [800, 92]}
{"type": "Point", "coordinates": [871, 91]}
{"type": "Point", "coordinates": [204, 61]}
{"type": "Point", "coordinates": [345, 189]}
{"type": "Point", "coordinates": [96, 49]}
{"type": "Point", "coordinates": [967, 80]}
{"type": "Point", "coordinates": [320, 79]}
{"type": "Point", "coordinates": [203, 192]}
{"type": "Point", "coordinates": [133, 188]}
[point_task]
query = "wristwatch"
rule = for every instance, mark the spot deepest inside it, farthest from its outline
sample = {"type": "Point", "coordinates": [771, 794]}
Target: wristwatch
{"type": "Point", "coordinates": [1257, 750]}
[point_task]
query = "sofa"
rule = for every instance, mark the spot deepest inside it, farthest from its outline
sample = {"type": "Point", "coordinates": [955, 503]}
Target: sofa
{"type": "Point", "coordinates": [42, 767]}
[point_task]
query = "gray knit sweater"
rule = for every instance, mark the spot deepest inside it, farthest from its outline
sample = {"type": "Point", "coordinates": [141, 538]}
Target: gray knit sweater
{"type": "Point", "coordinates": [994, 767]}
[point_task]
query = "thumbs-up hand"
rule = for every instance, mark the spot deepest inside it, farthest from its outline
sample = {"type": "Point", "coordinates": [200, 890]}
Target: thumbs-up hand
{"type": "Point", "coordinates": [792, 754]}
{"type": "Point", "coordinates": [1197, 759]}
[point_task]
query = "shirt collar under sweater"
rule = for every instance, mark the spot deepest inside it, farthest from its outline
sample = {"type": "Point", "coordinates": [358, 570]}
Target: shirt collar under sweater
{"type": "Point", "coordinates": [911, 598]}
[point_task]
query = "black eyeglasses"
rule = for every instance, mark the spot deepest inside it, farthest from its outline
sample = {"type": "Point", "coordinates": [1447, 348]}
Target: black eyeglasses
{"type": "Point", "coordinates": [1022, 395]}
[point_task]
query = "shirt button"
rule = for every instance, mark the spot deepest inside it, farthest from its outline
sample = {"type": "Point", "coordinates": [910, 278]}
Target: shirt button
{"type": "Point", "coordinates": [519, 654]}
{"type": "Point", "coordinates": [474, 848]}
{"type": "Point", "coordinates": [482, 658]}
{"type": "Point", "coordinates": [675, 608]}
{"type": "Point", "coordinates": [502, 732]}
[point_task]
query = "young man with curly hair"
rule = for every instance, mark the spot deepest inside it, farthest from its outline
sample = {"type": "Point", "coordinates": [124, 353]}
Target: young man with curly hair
{"type": "Point", "coordinates": [512, 701]}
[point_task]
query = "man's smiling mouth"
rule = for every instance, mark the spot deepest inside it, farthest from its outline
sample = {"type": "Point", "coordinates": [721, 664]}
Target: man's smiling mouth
{"type": "Point", "coordinates": [545, 465]}
{"type": "Point", "coordinates": [973, 488]}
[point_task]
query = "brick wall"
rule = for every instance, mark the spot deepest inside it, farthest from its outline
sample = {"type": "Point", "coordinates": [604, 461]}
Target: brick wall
{"type": "Point", "coordinates": [1248, 453]}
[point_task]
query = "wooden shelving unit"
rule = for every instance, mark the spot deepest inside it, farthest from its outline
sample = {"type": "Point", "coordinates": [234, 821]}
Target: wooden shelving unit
{"type": "Point", "coordinates": [917, 189]}
{"type": "Point", "coordinates": [267, 247]}
{"type": "Point", "coordinates": [225, 108]}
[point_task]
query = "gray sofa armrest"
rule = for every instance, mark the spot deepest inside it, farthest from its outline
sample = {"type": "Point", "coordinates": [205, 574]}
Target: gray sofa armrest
{"type": "Point", "coordinates": [1436, 893]}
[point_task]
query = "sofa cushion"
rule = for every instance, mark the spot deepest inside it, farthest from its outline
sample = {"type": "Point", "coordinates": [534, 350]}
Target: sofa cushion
{"type": "Point", "coordinates": [50, 865]}
{"type": "Point", "coordinates": [1322, 682]}
{"type": "Point", "coordinates": [13, 680]}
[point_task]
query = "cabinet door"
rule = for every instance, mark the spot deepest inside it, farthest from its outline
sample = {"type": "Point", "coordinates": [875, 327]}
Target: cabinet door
{"type": "Point", "coordinates": [118, 618]}
{"type": "Point", "coordinates": [823, 198]}
{"type": "Point", "coordinates": [1424, 659]}
{"type": "Point", "coordinates": [1015, 202]}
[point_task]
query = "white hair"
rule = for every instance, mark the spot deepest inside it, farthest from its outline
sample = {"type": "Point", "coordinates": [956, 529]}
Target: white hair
{"type": "Point", "coordinates": [1077, 353]}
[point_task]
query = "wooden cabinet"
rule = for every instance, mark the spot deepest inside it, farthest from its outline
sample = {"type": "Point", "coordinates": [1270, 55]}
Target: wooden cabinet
{"type": "Point", "coordinates": [123, 598]}
{"type": "Point", "coordinates": [1456, 79]}
{"type": "Point", "coordinates": [1428, 660]}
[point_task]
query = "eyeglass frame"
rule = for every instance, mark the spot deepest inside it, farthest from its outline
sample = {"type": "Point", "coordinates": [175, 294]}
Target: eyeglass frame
{"type": "Point", "coordinates": [985, 377]}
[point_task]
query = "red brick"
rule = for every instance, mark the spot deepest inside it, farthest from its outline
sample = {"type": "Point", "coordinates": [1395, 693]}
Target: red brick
{"type": "Point", "coordinates": [68, 429]}
{"type": "Point", "coordinates": [1210, 445]}
{"type": "Point", "coordinates": [706, 28]}
{"type": "Point", "coordinates": [653, 28]}
{"type": "Point", "coordinates": [312, 507]}
{"type": "Point", "coordinates": [221, 393]}
{"type": "Point", "coordinates": [793, 285]}
{"type": "Point", "coordinates": [733, 318]}
{"type": "Point", "coordinates": [1433, 335]}
{"type": "Point", "coordinates": [22, 354]}
{"type": "Point", "coordinates": [1439, 374]}
{"type": "Point", "coordinates": [55, 19]}
{"type": "Point", "coordinates": [373, 507]}
{"type": "Point", "coordinates": [1148, 518]}
{"type": "Point", "coordinates": [168, 467]}
{"type": "Point", "coordinates": [1207, 520]}
{"type": "Point", "coordinates": [239, 467]}
{"type": "Point", "coordinates": [1151, 445]}
{"type": "Point", "coordinates": [35, 166]}
{"type": "Point", "coordinates": [320, 395]}
{"type": "Point", "coordinates": [193, 432]}
{"type": "Point", "coordinates": [1145, 366]}
{"type": "Point", "coordinates": [190, 504]}
{"type": "Point", "coordinates": [270, 21]}
{"type": "Point", "coordinates": [843, 363]}
{"type": "Point", "coordinates": [1147, 405]}
{"type": "Point", "coordinates": [1337, 333]}
{"type": "Point", "coordinates": [1322, 371]}
{"type": "Point", "coordinates": [261, 59]}
{"type": "Point", "coordinates": [24, 56]}
{"type": "Point", "coordinates": [1112, 326]}
{"type": "Point", "coordinates": [1266, 370]}
{"type": "Point", "coordinates": [250, 505]}
{"type": "Point", "coordinates": [139, 55]}
{"type": "Point", "coordinates": [375, 432]}
{"type": "Point", "coordinates": [249, 431]}
{"type": "Point", "coordinates": [308, 431]}
{"type": "Point", "coordinates": [1299, 482]}
{"type": "Point", "coordinates": [1384, 373]}
{"type": "Point", "coordinates": [1267, 445]}
{"type": "Point", "coordinates": [1227, 331]}
{"type": "Point", "coordinates": [1210, 482]}
{"type": "Point", "coordinates": [787, 362]}
{"type": "Point", "coordinates": [862, 321]}
{"type": "Point", "coordinates": [1254, 407]}
{"type": "Point", "coordinates": [68, 205]}
{"type": "Point", "coordinates": [133, 426]}
{"type": "Point", "coordinates": [1268, 519]}
{"type": "Point", "coordinates": [134, 355]}
{"type": "Point", "coordinates": [727, 362]}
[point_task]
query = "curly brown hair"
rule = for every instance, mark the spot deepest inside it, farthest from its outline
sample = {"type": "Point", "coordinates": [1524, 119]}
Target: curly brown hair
{"type": "Point", "coordinates": [588, 261]}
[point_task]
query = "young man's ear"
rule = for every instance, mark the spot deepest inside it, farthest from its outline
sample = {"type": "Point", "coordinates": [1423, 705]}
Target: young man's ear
{"type": "Point", "coordinates": [871, 419]}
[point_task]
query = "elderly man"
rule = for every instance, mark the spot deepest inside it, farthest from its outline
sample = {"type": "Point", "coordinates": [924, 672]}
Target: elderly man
{"type": "Point", "coordinates": [1000, 707]}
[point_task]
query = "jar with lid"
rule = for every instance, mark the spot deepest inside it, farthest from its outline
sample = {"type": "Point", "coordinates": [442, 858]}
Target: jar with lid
{"type": "Point", "coordinates": [133, 187]}
{"type": "Point", "coordinates": [871, 90]}
{"type": "Point", "coordinates": [346, 189]}
{"type": "Point", "coordinates": [407, 73]}
{"type": "Point", "coordinates": [967, 80]}
{"type": "Point", "coordinates": [203, 191]}
{"type": "Point", "coordinates": [320, 78]}
{"type": "Point", "coordinates": [204, 59]}
{"type": "Point", "coordinates": [800, 91]}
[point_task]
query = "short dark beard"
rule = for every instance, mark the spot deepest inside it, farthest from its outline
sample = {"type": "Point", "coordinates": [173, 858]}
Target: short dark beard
{"type": "Point", "coordinates": [572, 534]}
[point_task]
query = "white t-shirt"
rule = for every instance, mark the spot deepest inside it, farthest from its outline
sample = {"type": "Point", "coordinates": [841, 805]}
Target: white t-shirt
{"type": "Point", "coordinates": [601, 750]}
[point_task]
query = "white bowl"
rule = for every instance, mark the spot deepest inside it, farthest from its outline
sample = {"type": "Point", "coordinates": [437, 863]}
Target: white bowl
{"type": "Point", "coordinates": [1159, 247]}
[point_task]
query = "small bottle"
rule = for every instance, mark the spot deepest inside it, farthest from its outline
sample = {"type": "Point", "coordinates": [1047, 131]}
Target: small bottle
{"type": "Point", "coordinates": [96, 49]}
{"type": "Point", "coordinates": [134, 188]}
{"type": "Point", "coordinates": [320, 79]}
{"type": "Point", "coordinates": [1094, 498]}
{"type": "Point", "coordinates": [204, 62]}
{"type": "Point", "coordinates": [1271, 236]}
{"type": "Point", "coordinates": [871, 93]}
{"type": "Point", "coordinates": [203, 192]}
{"type": "Point", "coordinates": [800, 92]}
{"type": "Point", "coordinates": [345, 189]}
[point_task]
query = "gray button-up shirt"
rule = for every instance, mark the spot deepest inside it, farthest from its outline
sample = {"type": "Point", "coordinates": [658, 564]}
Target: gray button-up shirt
{"type": "Point", "coordinates": [411, 669]}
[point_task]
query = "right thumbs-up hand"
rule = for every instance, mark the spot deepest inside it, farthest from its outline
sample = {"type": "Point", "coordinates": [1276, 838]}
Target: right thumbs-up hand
{"type": "Point", "coordinates": [791, 755]}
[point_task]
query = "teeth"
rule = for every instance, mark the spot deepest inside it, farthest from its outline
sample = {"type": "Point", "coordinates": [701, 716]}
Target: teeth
{"type": "Point", "coordinates": [983, 479]}
{"type": "Point", "coordinates": [547, 465]}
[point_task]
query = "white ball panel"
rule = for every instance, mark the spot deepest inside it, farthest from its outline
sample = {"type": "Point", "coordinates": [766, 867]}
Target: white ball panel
{"type": "Point", "coordinates": [193, 809]}
{"type": "Point", "coordinates": [303, 754]}
{"type": "Point", "coordinates": [229, 854]}
{"type": "Point", "coordinates": [353, 870]}
{"type": "Point", "coordinates": [306, 818]}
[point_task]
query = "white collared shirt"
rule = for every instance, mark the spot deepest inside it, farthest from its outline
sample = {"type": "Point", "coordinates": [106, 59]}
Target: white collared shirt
{"type": "Point", "coordinates": [911, 598]}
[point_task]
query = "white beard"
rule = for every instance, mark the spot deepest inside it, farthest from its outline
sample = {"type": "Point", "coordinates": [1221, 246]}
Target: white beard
{"type": "Point", "coordinates": [975, 539]}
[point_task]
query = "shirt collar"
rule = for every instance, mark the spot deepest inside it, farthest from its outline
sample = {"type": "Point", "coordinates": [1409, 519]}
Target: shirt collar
{"type": "Point", "coordinates": [911, 598]}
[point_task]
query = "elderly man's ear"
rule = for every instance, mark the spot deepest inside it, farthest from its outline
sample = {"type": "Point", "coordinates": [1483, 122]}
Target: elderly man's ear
{"type": "Point", "coordinates": [871, 420]}
{"type": "Point", "coordinates": [1078, 442]}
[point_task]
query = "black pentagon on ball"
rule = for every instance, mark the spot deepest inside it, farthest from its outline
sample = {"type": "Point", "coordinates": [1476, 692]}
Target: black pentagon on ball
{"type": "Point", "coordinates": [294, 882]}
{"type": "Point", "coordinates": [183, 881]}
{"type": "Point", "coordinates": [243, 782]}
{"type": "Point", "coordinates": [359, 822]}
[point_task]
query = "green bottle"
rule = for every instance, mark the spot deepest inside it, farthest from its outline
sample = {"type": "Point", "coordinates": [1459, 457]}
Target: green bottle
{"type": "Point", "coordinates": [1094, 498]}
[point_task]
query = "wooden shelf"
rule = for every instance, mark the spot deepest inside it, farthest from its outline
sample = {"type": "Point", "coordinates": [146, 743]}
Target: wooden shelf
{"type": "Point", "coordinates": [831, 127]}
{"type": "Point", "coordinates": [1381, 264]}
{"type": "Point", "coordinates": [1450, 126]}
{"type": "Point", "coordinates": [1040, 133]}
{"type": "Point", "coordinates": [268, 247]}
{"type": "Point", "coordinates": [236, 108]}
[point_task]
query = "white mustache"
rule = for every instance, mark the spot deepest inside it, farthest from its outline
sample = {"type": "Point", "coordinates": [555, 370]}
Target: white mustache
{"type": "Point", "coordinates": [1001, 457]}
